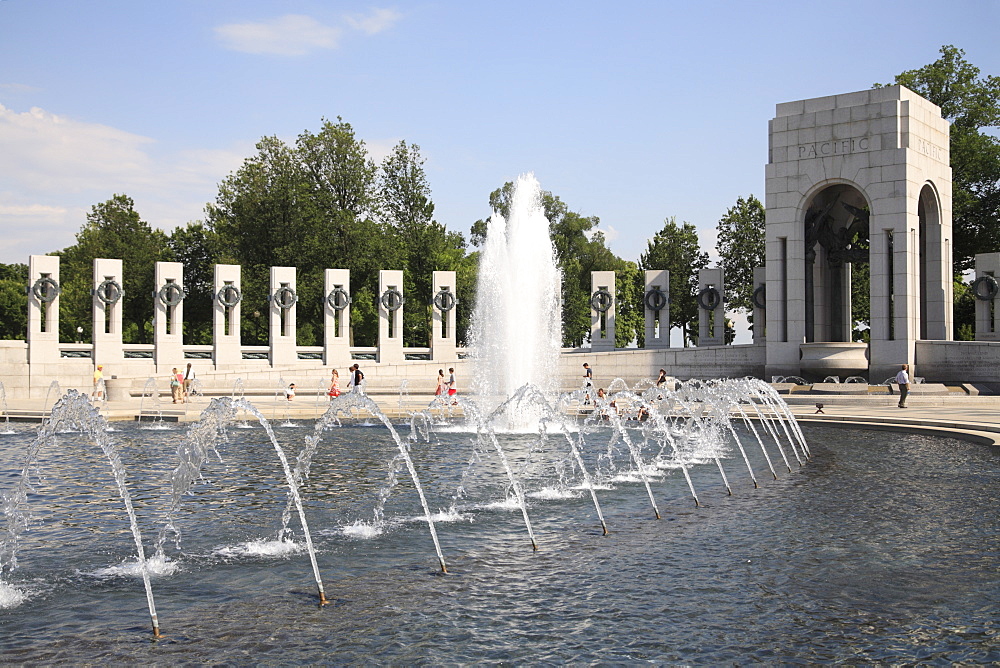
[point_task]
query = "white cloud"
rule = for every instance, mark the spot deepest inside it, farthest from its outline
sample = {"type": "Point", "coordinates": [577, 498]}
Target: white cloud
{"type": "Point", "coordinates": [289, 35]}
{"type": "Point", "coordinates": [44, 151]}
{"type": "Point", "coordinates": [375, 22]}
{"type": "Point", "coordinates": [18, 88]}
{"type": "Point", "coordinates": [55, 168]}
{"type": "Point", "coordinates": [33, 211]}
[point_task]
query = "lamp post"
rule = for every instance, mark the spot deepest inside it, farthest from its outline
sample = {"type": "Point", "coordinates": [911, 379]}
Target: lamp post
{"type": "Point", "coordinates": [79, 334]}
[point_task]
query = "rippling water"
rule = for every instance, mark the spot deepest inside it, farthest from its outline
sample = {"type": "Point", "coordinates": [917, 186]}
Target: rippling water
{"type": "Point", "coordinates": [882, 549]}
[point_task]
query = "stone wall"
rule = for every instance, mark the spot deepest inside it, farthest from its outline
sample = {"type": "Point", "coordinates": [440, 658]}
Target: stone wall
{"type": "Point", "coordinates": [957, 361]}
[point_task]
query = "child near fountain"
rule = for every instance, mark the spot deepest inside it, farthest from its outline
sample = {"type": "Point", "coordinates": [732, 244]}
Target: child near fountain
{"type": "Point", "coordinates": [176, 385]}
{"type": "Point", "coordinates": [334, 390]}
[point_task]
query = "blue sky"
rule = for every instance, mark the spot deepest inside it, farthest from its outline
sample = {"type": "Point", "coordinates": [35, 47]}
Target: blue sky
{"type": "Point", "coordinates": [629, 111]}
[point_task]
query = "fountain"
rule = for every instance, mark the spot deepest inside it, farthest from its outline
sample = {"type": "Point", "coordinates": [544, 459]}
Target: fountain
{"type": "Point", "coordinates": [3, 408]}
{"type": "Point", "coordinates": [153, 411]}
{"type": "Point", "coordinates": [825, 576]}
{"type": "Point", "coordinates": [516, 326]}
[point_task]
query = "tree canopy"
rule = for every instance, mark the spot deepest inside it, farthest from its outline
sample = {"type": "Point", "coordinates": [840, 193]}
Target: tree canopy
{"type": "Point", "coordinates": [972, 103]}
{"type": "Point", "coordinates": [675, 248]}
{"type": "Point", "coordinates": [741, 246]}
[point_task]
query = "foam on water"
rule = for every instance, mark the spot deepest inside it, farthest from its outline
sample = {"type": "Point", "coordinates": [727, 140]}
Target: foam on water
{"type": "Point", "coordinates": [510, 503]}
{"type": "Point", "coordinates": [360, 529]}
{"type": "Point", "coordinates": [11, 597]}
{"type": "Point", "coordinates": [554, 493]}
{"type": "Point", "coordinates": [260, 548]}
{"type": "Point", "coordinates": [159, 565]}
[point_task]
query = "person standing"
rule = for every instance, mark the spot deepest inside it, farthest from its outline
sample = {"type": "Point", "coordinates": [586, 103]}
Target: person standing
{"type": "Point", "coordinates": [903, 380]}
{"type": "Point", "coordinates": [452, 386]}
{"type": "Point", "coordinates": [98, 392]}
{"type": "Point", "coordinates": [189, 377]}
{"type": "Point", "coordinates": [333, 391]}
{"type": "Point", "coordinates": [588, 381]}
{"type": "Point", "coordinates": [176, 385]}
{"type": "Point", "coordinates": [440, 383]}
{"type": "Point", "coordinates": [358, 378]}
{"type": "Point", "coordinates": [290, 392]}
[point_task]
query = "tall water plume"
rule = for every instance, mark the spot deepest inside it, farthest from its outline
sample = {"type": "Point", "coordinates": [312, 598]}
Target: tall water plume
{"type": "Point", "coordinates": [516, 325]}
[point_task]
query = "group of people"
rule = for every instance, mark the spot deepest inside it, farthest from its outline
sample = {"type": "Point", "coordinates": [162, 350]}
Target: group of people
{"type": "Point", "coordinates": [180, 384]}
{"type": "Point", "coordinates": [447, 387]}
{"type": "Point", "coordinates": [354, 382]}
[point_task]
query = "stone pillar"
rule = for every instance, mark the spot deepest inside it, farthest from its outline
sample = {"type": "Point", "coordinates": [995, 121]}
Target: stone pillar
{"type": "Point", "coordinates": [282, 301]}
{"type": "Point", "coordinates": [337, 317]}
{"type": "Point", "coordinates": [656, 305]}
{"type": "Point", "coordinates": [759, 301]}
{"type": "Point", "coordinates": [43, 309]}
{"type": "Point", "coordinates": [390, 316]}
{"type": "Point", "coordinates": [107, 297]}
{"type": "Point", "coordinates": [226, 300]}
{"type": "Point", "coordinates": [711, 307]}
{"type": "Point", "coordinates": [168, 316]}
{"type": "Point", "coordinates": [987, 309]}
{"type": "Point", "coordinates": [602, 310]}
{"type": "Point", "coordinates": [444, 317]}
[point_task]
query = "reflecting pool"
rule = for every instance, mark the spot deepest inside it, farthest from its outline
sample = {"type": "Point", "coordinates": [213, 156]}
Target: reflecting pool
{"type": "Point", "coordinates": [882, 548]}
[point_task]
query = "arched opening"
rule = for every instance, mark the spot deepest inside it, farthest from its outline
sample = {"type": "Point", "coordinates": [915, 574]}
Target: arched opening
{"type": "Point", "coordinates": [929, 230]}
{"type": "Point", "coordinates": [836, 248]}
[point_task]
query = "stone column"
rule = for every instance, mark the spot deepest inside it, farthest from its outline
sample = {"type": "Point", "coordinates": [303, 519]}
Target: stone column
{"type": "Point", "coordinates": [443, 317]}
{"type": "Point", "coordinates": [227, 296]}
{"type": "Point", "coordinates": [602, 310]}
{"type": "Point", "coordinates": [711, 321]}
{"type": "Point", "coordinates": [759, 305]}
{"type": "Point", "coordinates": [43, 309]}
{"type": "Point", "coordinates": [656, 305]}
{"type": "Point", "coordinates": [282, 300]}
{"type": "Point", "coordinates": [987, 310]}
{"type": "Point", "coordinates": [107, 297]}
{"type": "Point", "coordinates": [390, 316]}
{"type": "Point", "coordinates": [337, 317]}
{"type": "Point", "coordinates": [168, 316]}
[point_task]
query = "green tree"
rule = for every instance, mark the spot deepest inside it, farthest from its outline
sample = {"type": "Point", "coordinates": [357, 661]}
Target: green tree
{"type": "Point", "coordinates": [971, 103]}
{"type": "Point", "coordinates": [113, 230]}
{"type": "Point", "coordinates": [630, 322]}
{"type": "Point", "coordinates": [259, 217]}
{"type": "Point", "coordinates": [676, 249]}
{"type": "Point", "coordinates": [741, 246]}
{"type": "Point", "coordinates": [13, 302]}
{"type": "Point", "coordinates": [343, 201]}
{"type": "Point", "coordinates": [423, 245]}
{"type": "Point", "coordinates": [199, 250]}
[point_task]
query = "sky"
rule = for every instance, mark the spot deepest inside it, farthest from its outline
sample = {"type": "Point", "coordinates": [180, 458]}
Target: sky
{"type": "Point", "coordinates": [629, 111]}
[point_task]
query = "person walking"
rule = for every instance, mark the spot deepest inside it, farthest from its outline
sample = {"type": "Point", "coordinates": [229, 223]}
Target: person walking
{"type": "Point", "coordinates": [903, 380]}
{"type": "Point", "coordinates": [452, 386]}
{"type": "Point", "coordinates": [334, 390]}
{"type": "Point", "coordinates": [176, 385]}
{"type": "Point", "coordinates": [441, 382]}
{"type": "Point", "coordinates": [189, 377]}
{"type": "Point", "coordinates": [98, 392]}
{"type": "Point", "coordinates": [358, 378]}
